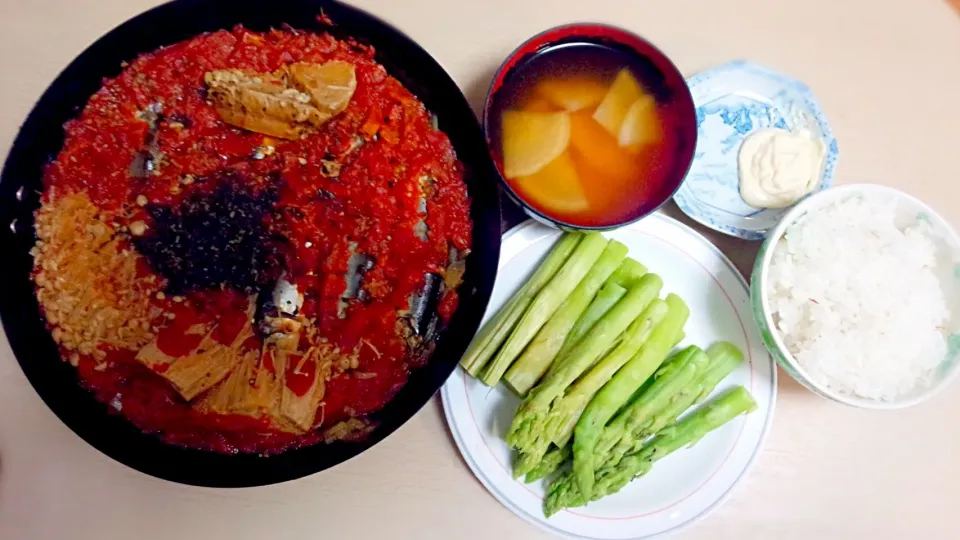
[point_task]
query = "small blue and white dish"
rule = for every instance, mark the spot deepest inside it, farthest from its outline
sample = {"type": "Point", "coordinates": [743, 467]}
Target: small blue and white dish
{"type": "Point", "coordinates": [734, 100]}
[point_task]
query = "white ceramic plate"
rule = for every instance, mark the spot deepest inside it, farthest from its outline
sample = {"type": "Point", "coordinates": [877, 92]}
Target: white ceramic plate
{"type": "Point", "coordinates": [684, 486]}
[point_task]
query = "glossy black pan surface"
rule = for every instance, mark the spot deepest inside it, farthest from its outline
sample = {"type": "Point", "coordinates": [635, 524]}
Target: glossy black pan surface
{"type": "Point", "coordinates": [40, 139]}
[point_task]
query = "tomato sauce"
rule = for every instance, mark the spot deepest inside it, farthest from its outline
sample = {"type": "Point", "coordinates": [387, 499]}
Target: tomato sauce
{"type": "Point", "coordinates": [352, 187]}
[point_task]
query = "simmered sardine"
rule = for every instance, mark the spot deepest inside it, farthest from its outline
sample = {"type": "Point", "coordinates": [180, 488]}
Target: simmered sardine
{"type": "Point", "coordinates": [419, 325]}
{"type": "Point", "coordinates": [357, 266]}
{"type": "Point", "coordinates": [147, 160]}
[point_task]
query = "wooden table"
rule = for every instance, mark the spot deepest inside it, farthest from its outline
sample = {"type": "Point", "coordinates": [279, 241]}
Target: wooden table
{"type": "Point", "coordinates": [888, 76]}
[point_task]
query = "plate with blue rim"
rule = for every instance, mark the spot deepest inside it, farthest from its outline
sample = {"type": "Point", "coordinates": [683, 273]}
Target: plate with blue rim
{"type": "Point", "coordinates": [734, 100]}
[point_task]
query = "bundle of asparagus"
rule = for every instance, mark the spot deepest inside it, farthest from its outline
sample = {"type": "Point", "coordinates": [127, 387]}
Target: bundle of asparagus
{"type": "Point", "coordinates": [583, 342]}
{"type": "Point", "coordinates": [541, 415]}
{"type": "Point", "coordinates": [628, 430]}
{"type": "Point", "coordinates": [564, 492]}
{"type": "Point", "coordinates": [495, 332]}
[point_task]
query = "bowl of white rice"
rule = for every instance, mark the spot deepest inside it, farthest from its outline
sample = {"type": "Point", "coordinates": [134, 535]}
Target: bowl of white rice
{"type": "Point", "coordinates": [857, 295]}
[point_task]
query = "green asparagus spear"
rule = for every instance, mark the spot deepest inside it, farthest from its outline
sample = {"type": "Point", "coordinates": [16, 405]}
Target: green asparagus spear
{"type": "Point", "coordinates": [624, 435]}
{"type": "Point", "coordinates": [606, 298]}
{"type": "Point", "coordinates": [627, 275]}
{"type": "Point", "coordinates": [527, 431]}
{"type": "Point", "coordinates": [608, 450]}
{"type": "Point", "coordinates": [566, 410]}
{"type": "Point", "coordinates": [564, 491]}
{"type": "Point", "coordinates": [493, 334]}
{"type": "Point", "coordinates": [552, 460]}
{"type": "Point", "coordinates": [545, 304]}
{"type": "Point", "coordinates": [643, 387]}
{"type": "Point", "coordinates": [618, 390]}
{"type": "Point", "coordinates": [724, 358]}
{"type": "Point", "coordinates": [536, 358]}
{"type": "Point", "coordinates": [669, 382]}
{"type": "Point", "coordinates": [557, 423]}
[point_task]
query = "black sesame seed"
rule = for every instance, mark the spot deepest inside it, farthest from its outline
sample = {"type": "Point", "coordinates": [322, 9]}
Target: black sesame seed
{"type": "Point", "coordinates": [226, 241]}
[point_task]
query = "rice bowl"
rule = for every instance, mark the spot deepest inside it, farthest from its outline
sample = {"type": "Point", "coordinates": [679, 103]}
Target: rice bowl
{"type": "Point", "coordinates": [812, 297]}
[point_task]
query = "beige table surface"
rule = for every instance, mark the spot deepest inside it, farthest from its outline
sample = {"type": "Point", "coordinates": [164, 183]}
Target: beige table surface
{"type": "Point", "coordinates": [888, 75]}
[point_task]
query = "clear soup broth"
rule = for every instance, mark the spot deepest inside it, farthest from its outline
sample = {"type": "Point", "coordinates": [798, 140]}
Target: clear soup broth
{"type": "Point", "coordinates": [585, 133]}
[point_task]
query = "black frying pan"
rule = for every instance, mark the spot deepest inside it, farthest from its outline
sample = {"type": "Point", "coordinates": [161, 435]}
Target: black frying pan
{"type": "Point", "coordinates": [41, 137]}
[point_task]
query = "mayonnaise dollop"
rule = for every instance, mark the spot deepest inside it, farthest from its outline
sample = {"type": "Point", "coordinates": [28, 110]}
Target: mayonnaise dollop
{"type": "Point", "coordinates": [778, 167]}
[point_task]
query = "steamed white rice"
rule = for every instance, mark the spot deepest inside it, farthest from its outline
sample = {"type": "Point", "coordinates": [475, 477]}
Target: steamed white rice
{"type": "Point", "coordinates": [856, 300]}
